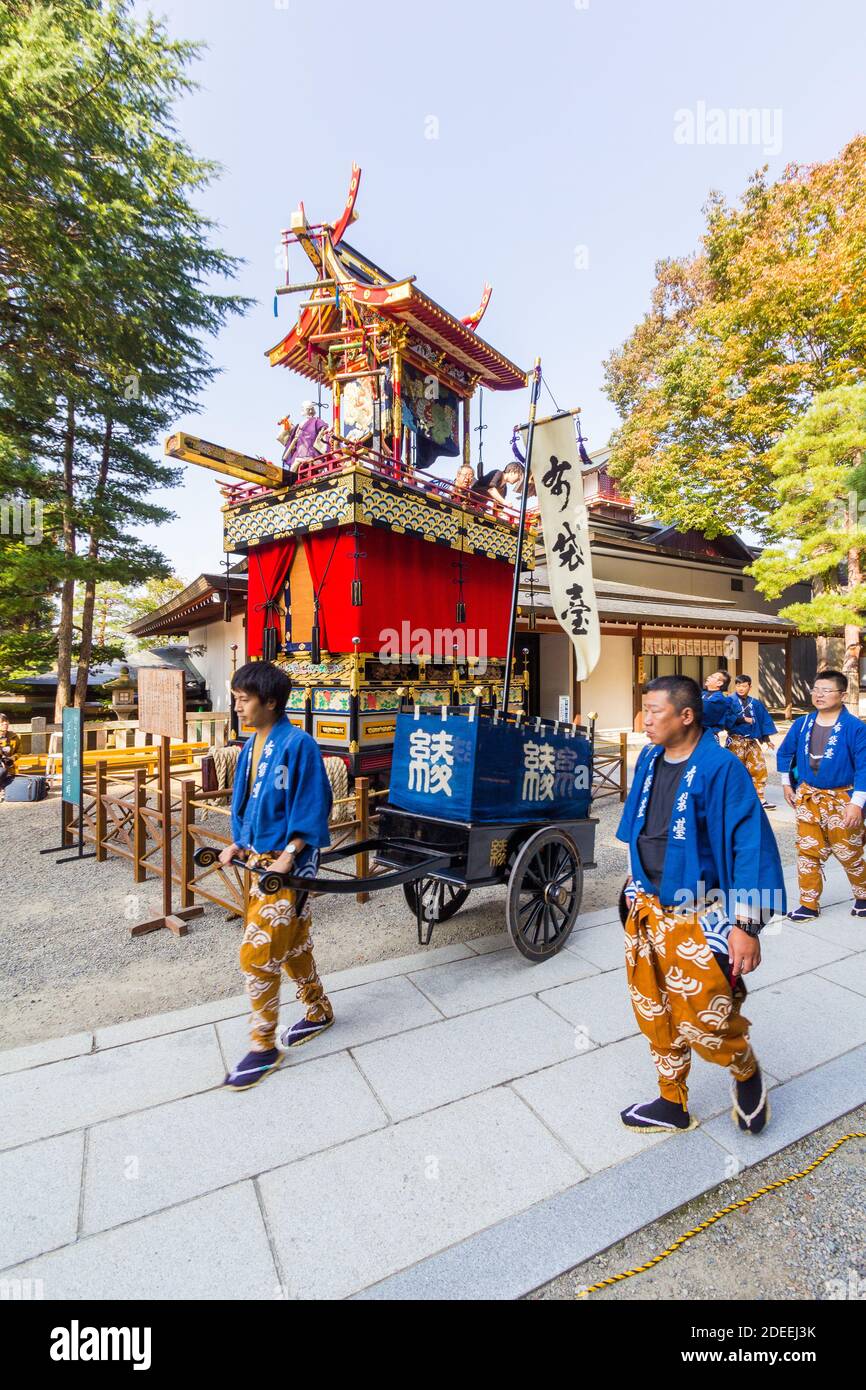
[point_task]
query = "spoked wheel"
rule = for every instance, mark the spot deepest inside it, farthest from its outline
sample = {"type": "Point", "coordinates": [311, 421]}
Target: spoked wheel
{"type": "Point", "coordinates": [439, 900]}
{"type": "Point", "coordinates": [544, 892]}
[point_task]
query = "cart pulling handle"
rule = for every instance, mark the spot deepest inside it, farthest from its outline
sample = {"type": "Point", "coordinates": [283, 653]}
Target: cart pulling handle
{"type": "Point", "coordinates": [427, 862]}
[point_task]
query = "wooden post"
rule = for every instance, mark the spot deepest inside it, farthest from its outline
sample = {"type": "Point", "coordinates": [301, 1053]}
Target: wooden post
{"type": "Point", "coordinates": [139, 797]}
{"type": "Point", "coordinates": [187, 818]}
{"type": "Point", "coordinates": [467, 438]}
{"type": "Point", "coordinates": [101, 852]}
{"type": "Point", "coordinates": [623, 766]}
{"type": "Point", "coordinates": [396, 406]}
{"type": "Point", "coordinates": [789, 679]}
{"type": "Point", "coordinates": [362, 814]}
{"type": "Point", "coordinates": [575, 685]}
{"type": "Point", "coordinates": [66, 816]}
{"type": "Point", "coordinates": [175, 921]}
{"type": "Point", "coordinates": [637, 704]}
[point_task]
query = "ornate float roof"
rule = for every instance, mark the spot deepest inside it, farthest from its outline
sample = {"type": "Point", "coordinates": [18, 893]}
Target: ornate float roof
{"type": "Point", "coordinates": [433, 336]}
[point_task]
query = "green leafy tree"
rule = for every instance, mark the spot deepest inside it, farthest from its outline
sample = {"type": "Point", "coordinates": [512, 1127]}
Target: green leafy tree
{"type": "Point", "coordinates": [818, 528]}
{"type": "Point", "coordinates": [738, 341]}
{"type": "Point", "coordinates": [107, 304]}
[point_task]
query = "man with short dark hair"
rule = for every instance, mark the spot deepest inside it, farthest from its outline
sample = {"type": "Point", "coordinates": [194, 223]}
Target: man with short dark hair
{"type": "Point", "coordinates": [719, 710]}
{"type": "Point", "coordinates": [825, 755]}
{"type": "Point", "coordinates": [705, 876]}
{"type": "Point", "coordinates": [281, 802]}
{"type": "Point", "coordinates": [747, 737]}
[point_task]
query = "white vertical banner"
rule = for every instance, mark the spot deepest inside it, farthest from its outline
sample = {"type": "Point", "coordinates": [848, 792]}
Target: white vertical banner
{"type": "Point", "coordinates": [558, 478]}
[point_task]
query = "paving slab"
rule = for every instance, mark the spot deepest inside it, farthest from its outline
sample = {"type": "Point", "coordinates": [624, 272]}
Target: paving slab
{"type": "Point", "coordinates": [802, 1023]}
{"type": "Point", "coordinates": [838, 926]}
{"type": "Point", "coordinates": [602, 946]}
{"type": "Point", "coordinates": [68, 1095]}
{"type": "Point", "coordinates": [491, 979]}
{"type": "Point", "coordinates": [397, 965]}
{"type": "Point", "coordinates": [496, 941]}
{"type": "Point", "coordinates": [158, 1025]}
{"type": "Point", "coordinates": [390, 1199]}
{"type": "Point", "coordinates": [799, 1107]}
{"type": "Point", "coordinates": [581, 1100]}
{"type": "Point", "coordinates": [786, 951]}
{"type": "Point", "coordinates": [375, 1010]}
{"type": "Point", "coordinates": [159, 1157]}
{"type": "Point", "coordinates": [40, 1188]}
{"type": "Point", "coordinates": [850, 972]}
{"type": "Point", "coordinates": [215, 1247]}
{"type": "Point", "coordinates": [38, 1054]}
{"type": "Point", "coordinates": [525, 1251]}
{"type": "Point", "coordinates": [459, 1056]}
{"type": "Point", "coordinates": [601, 1006]}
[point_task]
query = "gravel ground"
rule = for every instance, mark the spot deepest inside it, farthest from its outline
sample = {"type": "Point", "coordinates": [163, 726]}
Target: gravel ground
{"type": "Point", "coordinates": [805, 1241]}
{"type": "Point", "coordinates": [69, 963]}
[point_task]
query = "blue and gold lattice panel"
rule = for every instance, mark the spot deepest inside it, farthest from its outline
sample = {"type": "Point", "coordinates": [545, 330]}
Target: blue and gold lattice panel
{"type": "Point", "coordinates": [383, 503]}
{"type": "Point", "coordinates": [309, 508]}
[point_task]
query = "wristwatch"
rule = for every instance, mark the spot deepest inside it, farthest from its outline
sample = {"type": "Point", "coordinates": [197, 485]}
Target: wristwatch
{"type": "Point", "coordinates": [750, 928]}
{"type": "Point", "coordinates": [291, 848]}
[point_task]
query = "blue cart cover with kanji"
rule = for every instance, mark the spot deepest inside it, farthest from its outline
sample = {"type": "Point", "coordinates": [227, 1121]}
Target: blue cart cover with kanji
{"type": "Point", "coordinates": [480, 770]}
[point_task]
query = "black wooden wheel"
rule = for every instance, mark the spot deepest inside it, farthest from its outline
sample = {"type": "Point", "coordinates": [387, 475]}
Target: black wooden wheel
{"type": "Point", "coordinates": [544, 892]}
{"type": "Point", "coordinates": [439, 900]}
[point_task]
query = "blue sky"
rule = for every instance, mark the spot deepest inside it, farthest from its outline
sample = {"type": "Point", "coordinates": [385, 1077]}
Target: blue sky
{"type": "Point", "coordinates": [561, 170]}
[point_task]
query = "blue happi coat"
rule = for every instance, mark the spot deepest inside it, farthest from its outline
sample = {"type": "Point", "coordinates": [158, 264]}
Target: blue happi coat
{"type": "Point", "coordinates": [720, 711]}
{"type": "Point", "coordinates": [720, 841]}
{"type": "Point", "coordinates": [762, 726]}
{"type": "Point", "coordinates": [844, 760]}
{"type": "Point", "coordinates": [291, 795]}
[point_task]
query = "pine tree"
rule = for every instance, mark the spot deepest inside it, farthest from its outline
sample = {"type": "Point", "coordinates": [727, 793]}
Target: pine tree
{"type": "Point", "coordinates": [106, 269]}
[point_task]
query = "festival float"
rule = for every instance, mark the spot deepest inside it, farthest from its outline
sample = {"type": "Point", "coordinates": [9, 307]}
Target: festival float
{"type": "Point", "coordinates": [358, 557]}
{"type": "Point", "coordinates": [373, 582]}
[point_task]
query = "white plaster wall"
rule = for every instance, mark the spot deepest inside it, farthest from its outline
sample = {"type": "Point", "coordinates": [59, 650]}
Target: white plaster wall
{"type": "Point", "coordinates": [215, 662]}
{"type": "Point", "coordinates": [608, 690]}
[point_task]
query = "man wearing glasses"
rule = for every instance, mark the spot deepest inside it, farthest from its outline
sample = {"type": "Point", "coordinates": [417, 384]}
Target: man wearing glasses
{"type": "Point", "coordinates": [824, 755]}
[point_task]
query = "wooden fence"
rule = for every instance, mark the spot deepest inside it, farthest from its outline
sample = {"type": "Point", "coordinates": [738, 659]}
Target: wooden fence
{"type": "Point", "coordinates": [119, 733]}
{"type": "Point", "coordinates": [123, 817]}
{"type": "Point", "coordinates": [610, 768]}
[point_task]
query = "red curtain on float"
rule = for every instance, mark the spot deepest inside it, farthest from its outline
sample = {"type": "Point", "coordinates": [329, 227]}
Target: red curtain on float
{"type": "Point", "coordinates": [406, 580]}
{"type": "Point", "coordinates": [268, 567]}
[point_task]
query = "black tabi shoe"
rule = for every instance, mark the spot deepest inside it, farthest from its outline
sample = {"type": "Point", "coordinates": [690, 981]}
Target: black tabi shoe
{"type": "Point", "coordinates": [302, 1031]}
{"type": "Point", "coordinates": [751, 1108]}
{"type": "Point", "coordinates": [804, 914]}
{"type": "Point", "coordinates": [253, 1069]}
{"type": "Point", "coordinates": [769, 805]}
{"type": "Point", "coordinates": [859, 908]}
{"type": "Point", "coordinates": [658, 1116]}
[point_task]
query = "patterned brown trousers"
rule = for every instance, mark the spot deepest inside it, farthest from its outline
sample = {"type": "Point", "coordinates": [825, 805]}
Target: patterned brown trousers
{"type": "Point", "coordinates": [751, 754]}
{"type": "Point", "coordinates": [820, 833]}
{"type": "Point", "coordinates": [276, 938]}
{"type": "Point", "coordinates": [682, 998]}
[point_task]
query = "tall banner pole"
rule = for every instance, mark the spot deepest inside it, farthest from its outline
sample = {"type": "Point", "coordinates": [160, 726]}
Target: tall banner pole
{"type": "Point", "coordinates": [518, 562]}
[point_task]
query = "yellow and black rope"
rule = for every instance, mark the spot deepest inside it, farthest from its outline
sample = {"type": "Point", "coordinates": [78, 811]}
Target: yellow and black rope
{"type": "Point", "coordinates": [717, 1216]}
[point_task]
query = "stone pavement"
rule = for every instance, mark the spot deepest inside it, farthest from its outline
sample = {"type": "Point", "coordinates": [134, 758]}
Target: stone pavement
{"type": "Point", "coordinates": [455, 1135]}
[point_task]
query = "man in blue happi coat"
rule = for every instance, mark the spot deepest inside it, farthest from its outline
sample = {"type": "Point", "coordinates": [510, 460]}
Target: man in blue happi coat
{"type": "Point", "coordinates": [823, 754]}
{"type": "Point", "coordinates": [720, 712]}
{"type": "Point", "coordinates": [281, 803]}
{"type": "Point", "coordinates": [748, 736]}
{"type": "Point", "coordinates": [705, 877]}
